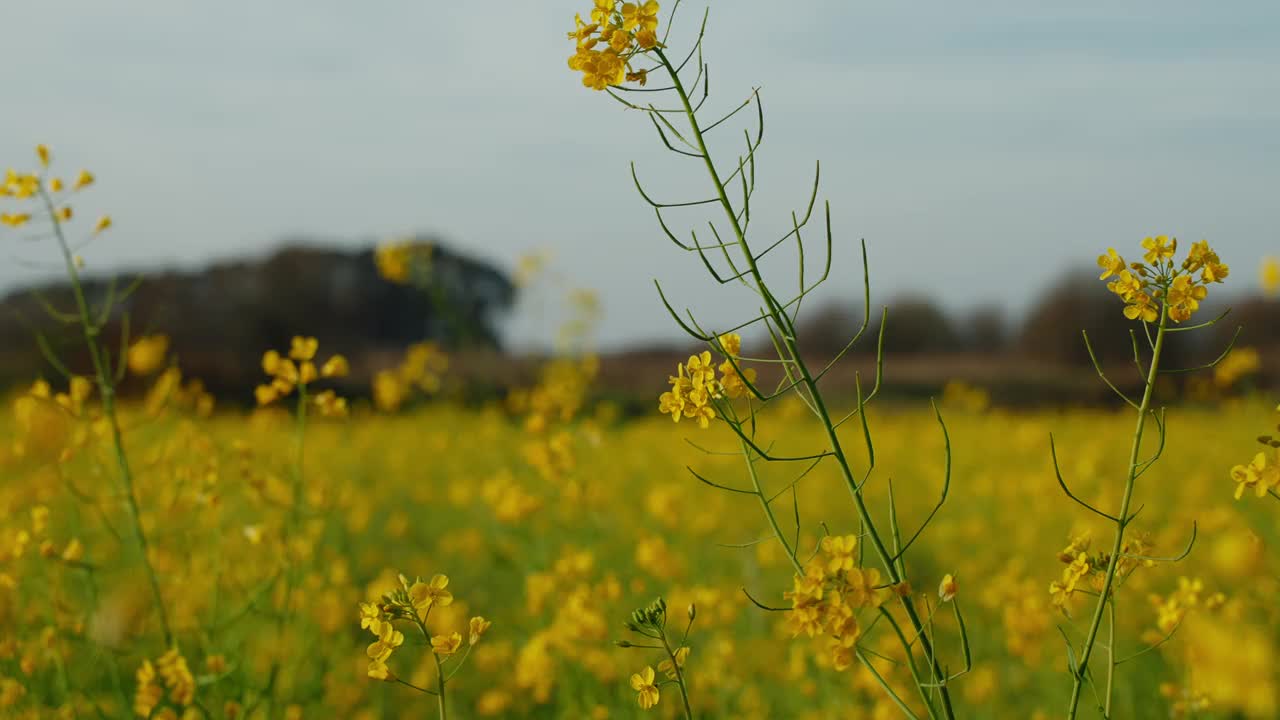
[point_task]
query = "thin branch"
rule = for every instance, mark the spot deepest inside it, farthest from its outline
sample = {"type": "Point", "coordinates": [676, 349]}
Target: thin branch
{"type": "Point", "coordinates": [1176, 558]}
{"type": "Point", "coordinates": [762, 606]}
{"type": "Point", "coordinates": [1053, 451]}
{"type": "Point", "coordinates": [1096, 366]}
{"type": "Point", "coordinates": [1216, 360]}
{"type": "Point", "coordinates": [946, 482]}
{"type": "Point", "coordinates": [718, 485]}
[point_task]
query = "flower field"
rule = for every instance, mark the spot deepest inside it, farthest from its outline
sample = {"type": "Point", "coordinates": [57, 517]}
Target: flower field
{"type": "Point", "coordinates": [555, 530]}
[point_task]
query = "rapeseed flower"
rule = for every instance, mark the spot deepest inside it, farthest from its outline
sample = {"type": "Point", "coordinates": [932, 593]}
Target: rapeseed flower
{"type": "Point", "coordinates": [148, 354]}
{"type": "Point", "coordinates": [667, 668]}
{"type": "Point", "coordinates": [605, 47]}
{"type": "Point", "coordinates": [1158, 285]}
{"type": "Point", "coordinates": [1111, 264]}
{"type": "Point", "coordinates": [1259, 475]}
{"type": "Point", "coordinates": [298, 370]}
{"type": "Point", "coordinates": [947, 588]}
{"type": "Point", "coordinates": [478, 626]}
{"type": "Point", "coordinates": [646, 691]}
{"type": "Point", "coordinates": [433, 593]}
{"type": "Point", "coordinates": [445, 645]}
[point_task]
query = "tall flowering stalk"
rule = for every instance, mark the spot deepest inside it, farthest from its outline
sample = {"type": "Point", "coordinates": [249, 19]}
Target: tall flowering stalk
{"type": "Point", "coordinates": [412, 603]}
{"type": "Point", "coordinates": [651, 623]}
{"type": "Point", "coordinates": [296, 373]}
{"type": "Point", "coordinates": [51, 196]}
{"type": "Point", "coordinates": [1161, 293]}
{"type": "Point", "coordinates": [620, 45]}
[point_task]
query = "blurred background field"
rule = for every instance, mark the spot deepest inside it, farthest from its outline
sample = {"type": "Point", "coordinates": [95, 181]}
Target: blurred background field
{"type": "Point", "coordinates": [556, 535]}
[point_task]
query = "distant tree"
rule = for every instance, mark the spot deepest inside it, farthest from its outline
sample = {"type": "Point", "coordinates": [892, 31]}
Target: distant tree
{"type": "Point", "coordinates": [1259, 318]}
{"type": "Point", "coordinates": [221, 319]}
{"type": "Point", "coordinates": [1080, 302]}
{"type": "Point", "coordinates": [916, 324]}
{"type": "Point", "coordinates": [827, 328]}
{"type": "Point", "coordinates": [984, 329]}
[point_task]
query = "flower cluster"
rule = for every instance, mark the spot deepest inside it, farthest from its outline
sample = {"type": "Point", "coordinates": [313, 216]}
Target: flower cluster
{"type": "Point", "coordinates": [298, 370]}
{"type": "Point", "coordinates": [51, 191]}
{"type": "Point", "coordinates": [825, 599]}
{"type": "Point", "coordinates": [422, 368]}
{"type": "Point", "coordinates": [1184, 701]}
{"type": "Point", "coordinates": [606, 46]}
{"type": "Point", "coordinates": [397, 260]}
{"type": "Point", "coordinates": [169, 390]}
{"type": "Point", "coordinates": [1082, 568]}
{"type": "Point", "coordinates": [412, 601]}
{"type": "Point", "coordinates": [1160, 281]}
{"type": "Point", "coordinates": [560, 394]}
{"type": "Point", "coordinates": [651, 622]}
{"type": "Point", "coordinates": [170, 672]}
{"type": "Point", "coordinates": [1172, 609]}
{"type": "Point", "coordinates": [695, 385]}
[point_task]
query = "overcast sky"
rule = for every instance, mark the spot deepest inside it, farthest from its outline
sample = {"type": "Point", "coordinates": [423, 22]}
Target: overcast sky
{"type": "Point", "coordinates": [980, 147]}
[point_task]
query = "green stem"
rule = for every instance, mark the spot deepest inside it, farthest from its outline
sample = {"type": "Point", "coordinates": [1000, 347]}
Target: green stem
{"type": "Point", "coordinates": [440, 687]}
{"type": "Point", "coordinates": [1111, 656]}
{"type": "Point", "coordinates": [290, 529]}
{"type": "Point", "coordinates": [1104, 595]}
{"type": "Point", "coordinates": [106, 388]}
{"type": "Point", "coordinates": [440, 677]}
{"type": "Point", "coordinates": [783, 323]}
{"type": "Point", "coordinates": [684, 692]}
{"type": "Point", "coordinates": [768, 511]}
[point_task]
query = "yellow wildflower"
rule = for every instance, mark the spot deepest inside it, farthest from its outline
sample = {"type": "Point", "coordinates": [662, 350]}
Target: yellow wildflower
{"type": "Point", "coordinates": [646, 690]}
{"type": "Point", "coordinates": [1269, 275]}
{"type": "Point", "coordinates": [646, 40]}
{"type": "Point", "coordinates": [172, 667]}
{"type": "Point", "coordinates": [839, 551]}
{"type": "Point", "coordinates": [388, 640]}
{"type": "Point", "coordinates": [1184, 298]}
{"type": "Point", "coordinates": [394, 261]}
{"type": "Point", "coordinates": [478, 626]}
{"type": "Point", "coordinates": [1259, 475]}
{"type": "Point", "coordinates": [147, 354]}
{"type": "Point", "coordinates": [378, 670]}
{"type": "Point", "coordinates": [424, 595]}
{"type": "Point", "coordinates": [666, 668]}
{"type": "Point", "coordinates": [303, 348]}
{"type": "Point", "coordinates": [445, 645]}
{"type": "Point", "coordinates": [602, 12]}
{"type": "Point", "coordinates": [842, 654]}
{"type": "Point", "coordinates": [864, 588]}
{"type": "Point", "coordinates": [330, 405]}
{"type": "Point", "coordinates": [1159, 248]}
{"type": "Point", "coordinates": [148, 693]}
{"type": "Point", "coordinates": [947, 588]}
{"type": "Point", "coordinates": [642, 16]}
{"type": "Point", "coordinates": [1111, 264]}
{"type": "Point", "coordinates": [371, 618]}
{"type": "Point", "coordinates": [1141, 307]}
{"type": "Point", "coordinates": [335, 367]}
